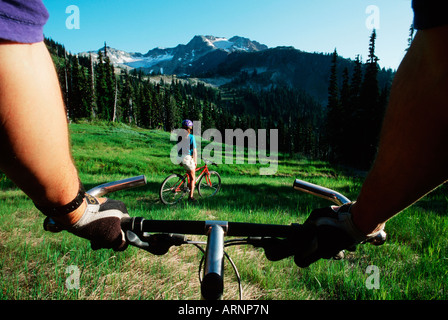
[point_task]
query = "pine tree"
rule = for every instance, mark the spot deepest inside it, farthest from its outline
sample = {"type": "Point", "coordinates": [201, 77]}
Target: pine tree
{"type": "Point", "coordinates": [76, 105]}
{"type": "Point", "coordinates": [333, 131]}
{"type": "Point", "coordinates": [126, 100]}
{"type": "Point", "coordinates": [411, 36]}
{"type": "Point", "coordinates": [145, 105]}
{"type": "Point", "coordinates": [355, 84]}
{"type": "Point", "coordinates": [345, 116]}
{"type": "Point", "coordinates": [352, 116]}
{"type": "Point", "coordinates": [105, 86]}
{"type": "Point", "coordinates": [370, 111]}
{"type": "Point", "coordinates": [92, 96]}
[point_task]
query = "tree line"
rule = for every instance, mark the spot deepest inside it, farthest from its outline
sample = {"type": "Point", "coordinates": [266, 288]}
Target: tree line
{"type": "Point", "coordinates": [355, 111]}
{"type": "Point", "coordinates": [344, 132]}
{"type": "Point", "coordinates": [94, 89]}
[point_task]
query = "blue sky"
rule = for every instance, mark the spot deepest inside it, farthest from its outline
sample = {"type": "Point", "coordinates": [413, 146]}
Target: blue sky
{"type": "Point", "coordinates": [308, 25]}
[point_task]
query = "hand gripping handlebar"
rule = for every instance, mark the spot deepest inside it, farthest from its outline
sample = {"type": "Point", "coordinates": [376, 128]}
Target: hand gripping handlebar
{"type": "Point", "coordinates": [335, 197]}
{"type": "Point", "coordinates": [157, 236]}
{"type": "Point", "coordinates": [99, 191]}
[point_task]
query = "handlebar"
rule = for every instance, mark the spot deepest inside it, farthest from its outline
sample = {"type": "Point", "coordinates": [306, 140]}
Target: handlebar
{"type": "Point", "coordinates": [99, 191]}
{"type": "Point", "coordinates": [109, 187]}
{"type": "Point", "coordinates": [320, 191]}
{"type": "Point", "coordinates": [233, 229]}
{"type": "Point", "coordinates": [335, 197]}
{"type": "Point", "coordinates": [158, 236]}
{"type": "Point", "coordinates": [206, 161]}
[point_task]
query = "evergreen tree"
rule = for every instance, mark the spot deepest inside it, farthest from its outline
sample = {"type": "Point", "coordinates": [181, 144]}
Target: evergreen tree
{"type": "Point", "coordinates": [345, 119]}
{"type": "Point", "coordinates": [91, 82]}
{"type": "Point", "coordinates": [76, 103]}
{"type": "Point", "coordinates": [355, 84]}
{"type": "Point", "coordinates": [105, 86]}
{"type": "Point", "coordinates": [333, 127]}
{"type": "Point", "coordinates": [172, 118]}
{"type": "Point", "coordinates": [127, 100]}
{"type": "Point", "coordinates": [145, 105]}
{"type": "Point", "coordinates": [369, 109]}
{"type": "Point", "coordinates": [411, 36]}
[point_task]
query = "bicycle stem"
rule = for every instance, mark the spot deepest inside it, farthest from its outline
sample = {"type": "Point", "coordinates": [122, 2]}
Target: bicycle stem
{"type": "Point", "coordinates": [212, 286]}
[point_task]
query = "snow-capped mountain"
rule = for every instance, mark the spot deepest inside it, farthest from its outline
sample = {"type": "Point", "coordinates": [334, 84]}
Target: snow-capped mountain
{"type": "Point", "coordinates": [230, 45]}
{"type": "Point", "coordinates": [201, 53]}
{"type": "Point", "coordinates": [238, 62]}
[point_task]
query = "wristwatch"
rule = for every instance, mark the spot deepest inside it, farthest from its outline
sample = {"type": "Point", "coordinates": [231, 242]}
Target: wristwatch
{"type": "Point", "coordinates": [67, 208]}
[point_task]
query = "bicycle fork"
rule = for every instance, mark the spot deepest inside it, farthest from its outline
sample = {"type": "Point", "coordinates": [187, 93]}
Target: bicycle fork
{"type": "Point", "coordinates": [212, 285]}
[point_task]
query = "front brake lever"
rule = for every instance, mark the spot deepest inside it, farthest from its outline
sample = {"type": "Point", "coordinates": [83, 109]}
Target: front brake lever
{"type": "Point", "coordinates": [275, 249]}
{"type": "Point", "coordinates": [134, 240]}
{"type": "Point", "coordinates": [158, 244]}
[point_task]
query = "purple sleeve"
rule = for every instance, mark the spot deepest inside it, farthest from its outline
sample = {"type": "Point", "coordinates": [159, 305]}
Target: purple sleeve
{"type": "Point", "coordinates": [22, 20]}
{"type": "Point", "coordinates": [429, 14]}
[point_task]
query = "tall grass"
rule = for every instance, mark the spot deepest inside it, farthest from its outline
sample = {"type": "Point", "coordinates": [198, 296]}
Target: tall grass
{"type": "Point", "coordinates": [34, 263]}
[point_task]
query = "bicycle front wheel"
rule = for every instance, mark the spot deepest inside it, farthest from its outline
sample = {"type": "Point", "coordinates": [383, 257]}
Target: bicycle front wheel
{"type": "Point", "coordinates": [173, 189]}
{"type": "Point", "coordinates": [209, 184]}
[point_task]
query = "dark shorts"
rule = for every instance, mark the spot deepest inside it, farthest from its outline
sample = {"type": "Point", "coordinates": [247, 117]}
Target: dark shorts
{"type": "Point", "coordinates": [429, 14]}
{"type": "Point", "coordinates": [22, 20]}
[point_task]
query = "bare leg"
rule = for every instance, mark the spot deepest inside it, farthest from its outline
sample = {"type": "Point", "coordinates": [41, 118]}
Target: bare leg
{"type": "Point", "coordinates": [192, 182]}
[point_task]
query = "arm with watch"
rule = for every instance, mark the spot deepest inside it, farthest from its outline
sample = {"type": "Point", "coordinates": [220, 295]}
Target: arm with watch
{"type": "Point", "coordinates": [35, 149]}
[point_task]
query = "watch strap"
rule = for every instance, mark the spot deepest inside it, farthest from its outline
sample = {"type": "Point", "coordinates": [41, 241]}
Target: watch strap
{"type": "Point", "coordinates": [65, 209]}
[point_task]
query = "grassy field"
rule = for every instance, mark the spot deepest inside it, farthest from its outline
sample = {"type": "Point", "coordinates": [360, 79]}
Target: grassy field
{"type": "Point", "coordinates": [35, 264]}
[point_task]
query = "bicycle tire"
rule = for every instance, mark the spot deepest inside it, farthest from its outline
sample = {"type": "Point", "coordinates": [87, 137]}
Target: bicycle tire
{"type": "Point", "coordinates": [204, 189]}
{"type": "Point", "coordinates": [170, 196]}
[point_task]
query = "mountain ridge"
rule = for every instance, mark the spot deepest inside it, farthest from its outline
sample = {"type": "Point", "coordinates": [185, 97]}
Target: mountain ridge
{"type": "Point", "coordinates": [231, 60]}
{"type": "Point", "coordinates": [180, 56]}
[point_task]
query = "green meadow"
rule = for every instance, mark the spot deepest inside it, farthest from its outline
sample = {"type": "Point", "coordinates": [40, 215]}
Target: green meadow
{"type": "Point", "coordinates": [34, 264]}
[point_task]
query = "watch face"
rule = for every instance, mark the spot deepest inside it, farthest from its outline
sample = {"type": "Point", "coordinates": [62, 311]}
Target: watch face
{"type": "Point", "coordinates": [91, 199]}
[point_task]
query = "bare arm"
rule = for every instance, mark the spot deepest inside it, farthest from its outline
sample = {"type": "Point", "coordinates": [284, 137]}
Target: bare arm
{"type": "Point", "coordinates": [35, 148]}
{"type": "Point", "coordinates": [34, 143]}
{"type": "Point", "coordinates": [413, 153]}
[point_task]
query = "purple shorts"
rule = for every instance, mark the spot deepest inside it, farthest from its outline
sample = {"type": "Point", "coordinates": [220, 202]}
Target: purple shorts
{"type": "Point", "coordinates": [22, 20]}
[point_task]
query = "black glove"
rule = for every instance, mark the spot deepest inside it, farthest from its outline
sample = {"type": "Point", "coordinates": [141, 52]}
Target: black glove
{"type": "Point", "coordinates": [326, 233]}
{"type": "Point", "coordinates": [101, 224]}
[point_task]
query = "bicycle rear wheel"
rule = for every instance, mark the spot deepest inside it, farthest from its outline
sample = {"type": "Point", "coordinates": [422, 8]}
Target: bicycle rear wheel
{"type": "Point", "coordinates": [209, 185]}
{"type": "Point", "coordinates": [173, 189]}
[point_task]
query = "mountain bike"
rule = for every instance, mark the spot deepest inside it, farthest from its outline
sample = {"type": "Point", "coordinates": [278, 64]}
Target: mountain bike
{"type": "Point", "coordinates": [158, 236]}
{"type": "Point", "coordinates": [176, 186]}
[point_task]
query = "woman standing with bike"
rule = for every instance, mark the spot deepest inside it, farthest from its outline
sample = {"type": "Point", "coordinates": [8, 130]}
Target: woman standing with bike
{"type": "Point", "coordinates": [188, 155]}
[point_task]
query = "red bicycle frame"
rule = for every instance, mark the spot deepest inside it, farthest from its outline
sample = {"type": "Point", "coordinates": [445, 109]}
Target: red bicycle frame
{"type": "Point", "coordinates": [204, 171]}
